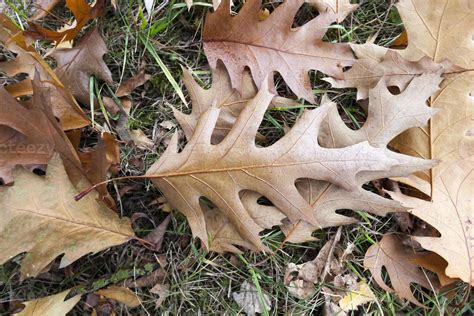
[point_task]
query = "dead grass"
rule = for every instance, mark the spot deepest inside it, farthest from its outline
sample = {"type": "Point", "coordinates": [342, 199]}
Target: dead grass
{"type": "Point", "coordinates": [201, 282]}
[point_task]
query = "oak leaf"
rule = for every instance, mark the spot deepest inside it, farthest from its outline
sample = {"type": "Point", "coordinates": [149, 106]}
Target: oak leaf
{"type": "Point", "coordinates": [377, 63]}
{"type": "Point", "coordinates": [219, 173]}
{"type": "Point", "coordinates": [451, 213]}
{"type": "Point", "coordinates": [50, 305]}
{"type": "Point", "coordinates": [76, 65]}
{"type": "Point", "coordinates": [221, 94]}
{"type": "Point", "coordinates": [388, 116]}
{"type": "Point", "coordinates": [273, 45]}
{"type": "Point", "coordinates": [439, 31]}
{"type": "Point", "coordinates": [342, 8]}
{"type": "Point", "coordinates": [42, 213]}
{"type": "Point", "coordinates": [99, 162]}
{"type": "Point", "coordinates": [390, 253]}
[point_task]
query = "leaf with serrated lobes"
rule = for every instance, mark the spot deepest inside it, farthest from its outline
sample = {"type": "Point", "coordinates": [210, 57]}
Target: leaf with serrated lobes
{"type": "Point", "coordinates": [273, 45]}
{"type": "Point", "coordinates": [219, 172]}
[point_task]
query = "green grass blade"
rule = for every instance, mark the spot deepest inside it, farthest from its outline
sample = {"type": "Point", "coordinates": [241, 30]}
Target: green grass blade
{"type": "Point", "coordinates": [163, 67]}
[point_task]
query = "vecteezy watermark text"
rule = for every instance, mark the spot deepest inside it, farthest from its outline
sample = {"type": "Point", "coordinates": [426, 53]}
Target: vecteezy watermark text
{"type": "Point", "coordinates": [19, 148]}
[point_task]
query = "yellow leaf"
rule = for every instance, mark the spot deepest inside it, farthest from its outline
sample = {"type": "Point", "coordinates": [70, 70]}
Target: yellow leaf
{"type": "Point", "coordinates": [361, 296]}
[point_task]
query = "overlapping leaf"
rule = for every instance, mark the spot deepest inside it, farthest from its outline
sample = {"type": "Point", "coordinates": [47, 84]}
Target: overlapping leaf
{"type": "Point", "coordinates": [76, 65]}
{"type": "Point", "coordinates": [83, 13]}
{"type": "Point", "coordinates": [219, 173]}
{"type": "Point", "coordinates": [391, 254]}
{"type": "Point", "coordinates": [388, 116]}
{"type": "Point", "coordinates": [42, 213]}
{"type": "Point", "coordinates": [273, 45]}
{"type": "Point", "coordinates": [28, 61]}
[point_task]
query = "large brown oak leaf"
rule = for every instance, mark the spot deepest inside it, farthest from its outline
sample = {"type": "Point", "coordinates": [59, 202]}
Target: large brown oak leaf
{"type": "Point", "coordinates": [220, 172]}
{"type": "Point", "coordinates": [273, 45]}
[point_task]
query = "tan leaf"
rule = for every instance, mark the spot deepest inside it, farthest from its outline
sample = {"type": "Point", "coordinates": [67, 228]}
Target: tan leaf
{"type": "Point", "coordinates": [127, 86]}
{"type": "Point", "coordinates": [360, 296]}
{"type": "Point", "coordinates": [324, 197]}
{"type": "Point", "coordinates": [439, 30]}
{"type": "Point", "coordinates": [43, 214]}
{"type": "Point", "coordinates": [398, 260]}
{"type": "Point", "coordinates": [273, 45]}
{"type": "Point", "coordinates": [76, 65]}
{"type": "Point", "coordinates": [219, 173]}
{"type": "Point", "coordinates": [451, 213]}
{"type": "Point", "coordinates": [223, 235]}
{"type": "Point", "coordinates": [450, 140]}
{"type": "Point", "coordinates": [390, 67]}
{"type": "Point", "coordinates": [83, 13]}
{"type": "Point", "coordinates": [50, 305]}
{"type": "Point", "coordinates": [141, 140]}
{"type": "Point", "coordinates": [120, 294]}
{"type": "Point", "coordinates": [342, 8]}
{"type": "Point", "coordinates": [221, 95]}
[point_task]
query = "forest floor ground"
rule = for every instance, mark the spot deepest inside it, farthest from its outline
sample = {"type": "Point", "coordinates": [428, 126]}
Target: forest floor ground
{"type": "Point", "coordinates": [199, 281]}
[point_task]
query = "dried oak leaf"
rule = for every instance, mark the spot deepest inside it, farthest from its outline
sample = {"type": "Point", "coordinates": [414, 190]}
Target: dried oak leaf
{"type": "Point", "coordinates": [451, 213]}
{"type": "Point", "coordinates": [388, 116]}
{"type": "Point", "coordinates": [438, 31]}
{"type": "Point", "coordinates": [99, 161]}
{"type": "Point", "coordinates": [377, 63]}
{"type": "Point", "coordinates": [273, 45]}
{"type": "Point", "coordinates": [219, 172]}
{"type": "Point", "coordinates": [342, 8]}
{"type": "Point", "coordinates": [324, 197]}
{"type": "Point", "coordinates": [397, 259]}
{"type": "Point", "coordinates": [83, 13]}
{"type": "Point", "coordinates": [75, 65]}
{"type": "Point", "coordinates": [42, 213]}
{"type": "Point", "coordinates": [28, 61]}
{"type": "Point", "coordinates": [50, 305]}
{"type": "Point", "coordinates": [221, 95]}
